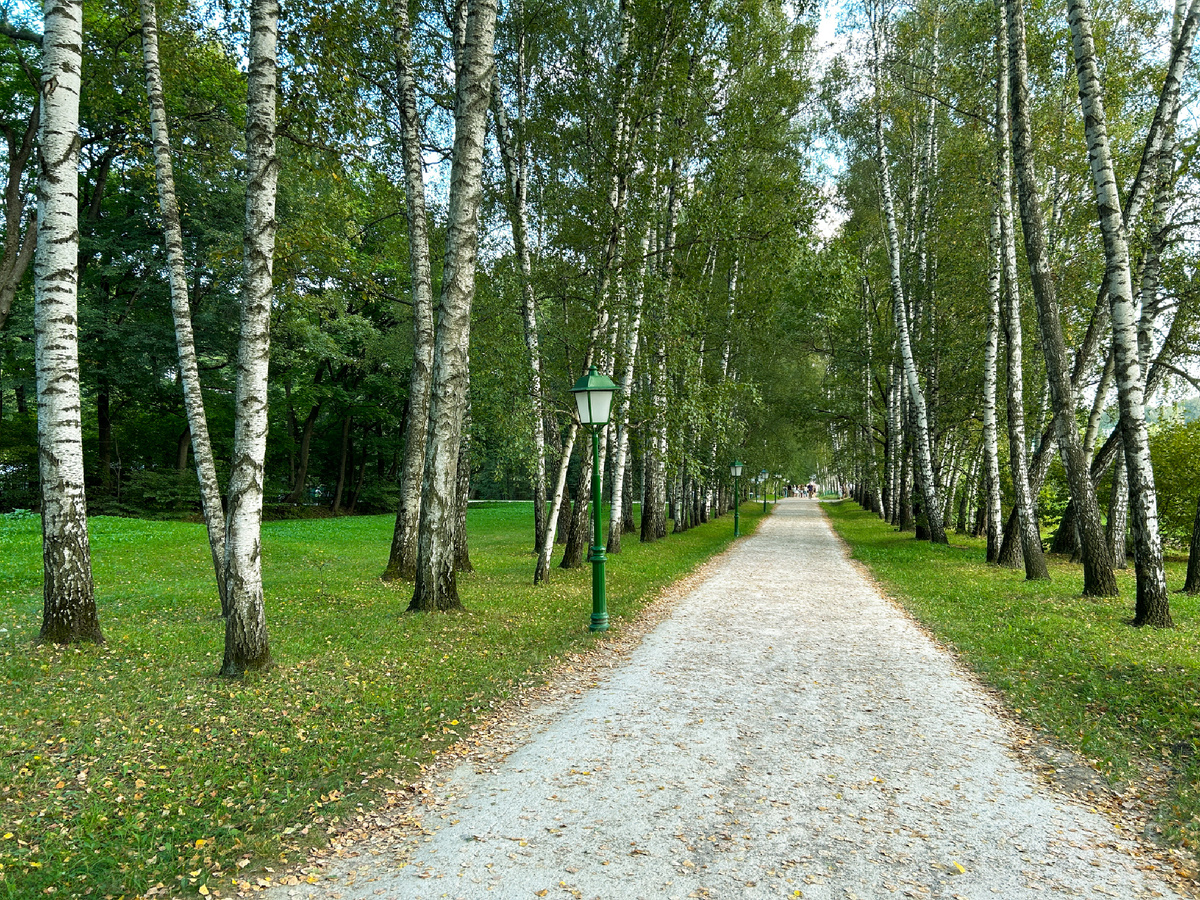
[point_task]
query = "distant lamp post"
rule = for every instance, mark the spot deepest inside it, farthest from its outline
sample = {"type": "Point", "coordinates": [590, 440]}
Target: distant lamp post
{"type": "Point", "coordinates": [735, 469]}
{"type": "Point", "coordinates": [593, 397]}
{"type": "Point", "coordinates": [763, 476]}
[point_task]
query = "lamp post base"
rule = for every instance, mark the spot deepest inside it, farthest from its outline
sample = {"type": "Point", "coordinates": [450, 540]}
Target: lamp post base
{"type": "Point", "coordinates": [599, 602]}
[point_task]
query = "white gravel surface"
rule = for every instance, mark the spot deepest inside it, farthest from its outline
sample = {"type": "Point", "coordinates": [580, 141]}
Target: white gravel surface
{"type": "Point", "coordinates": [785, 732]}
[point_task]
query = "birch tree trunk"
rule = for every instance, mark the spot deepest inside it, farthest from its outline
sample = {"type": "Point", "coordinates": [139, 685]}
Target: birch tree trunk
{"type": "Point", "coordinates": [1099, 579]}
{"type": "Point", "coordinates": [436, 586]}
{"type": "Point", "coordinates": [991, 444]}
{"type": "Point", "coordinates": [1010, 317]}
{"type": "Point", "coordinates": [514, 153]}
{"type": "Point", "coordinates": [625, 385]}
{"type": "Point", "coordinates": [923, 462]}
{"type": "Point", "coordinates": [895, 445]}
{"type": "Point", "coordinates": [542, 572]}
{"type": "Point", "coordinates": [211, 505]}
{"type": "Point", "coordinates": [462, 556]}
{"type": "Point", "coordinates": [69, 598]}
{"type": "Point", "coordinates": [402, 560]}
{"type": "Point", "coordinates": [966, 501]}
{"type": "Point", "coordinates": [872, 480]}
{"type": "Point", "coordinates": [1118, 515]}
{"type": "Point", "coordinates": [246, 645]}
{"type": "Point", "coordinates": [624, 403]}
{"type": "Point", "coordinates": [654, 519]}
{"type": "Point", "coordinates": [1153, 604]}
{"type": "Point", "coordinates": [1031, 540]}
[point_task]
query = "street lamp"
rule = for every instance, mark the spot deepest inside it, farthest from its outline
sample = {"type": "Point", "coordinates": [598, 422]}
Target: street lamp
{"type": "Point", "coordinates": [763, 477]}
{"type": "Point", "coordinates": [735, 469]}
{"type": "Point", "coordinates": [593, 397]}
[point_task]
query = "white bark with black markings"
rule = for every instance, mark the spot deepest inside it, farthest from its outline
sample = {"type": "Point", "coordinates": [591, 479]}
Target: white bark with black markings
{"type": "Point", "coordinates": [69, 598]}
{"type": "Point", "coordinates": [402, 562]}
{"type": "Point", "coordinates": [924, 456]}
{"type": "Point", "coordinates": [991, 444]}
{"type": "Point", "coordinates": [1031, 539]}
{"type": "Point", "coordinates": [1153, 604]}
{"type": "Point", "coordinates": [436, 586]}
{"type": "Point", "coordinates": [1099, 579]}
{"type": "Point", "coordinates": [246, 644]}
{"type": "Point", "coordinates": [189, 373]}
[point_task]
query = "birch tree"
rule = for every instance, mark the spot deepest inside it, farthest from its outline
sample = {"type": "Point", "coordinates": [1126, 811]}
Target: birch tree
{"type": "Point", "coordinates": [189, 373]}
{"type": "Point", "coordinates": [402, 562]}
{"type": "Point", "coordinates": [436, 586]}
{"type": "Point", "coordinates": [69, 600]}
{"type": "Point", "coordinates": [1031, 539]}
{"type": "Point", "coordinates": [514, 153]}
{"type": "Point", "coordinates": [1099, 578]}
{"type": "Point", "coordinates": [1152, 605]}
{"type": "Point", "coordinates": [991, 450]}
{"type": "Point", "coordinates": [246, 644]}
{"type": "Point", "coordinates": [922, 450]}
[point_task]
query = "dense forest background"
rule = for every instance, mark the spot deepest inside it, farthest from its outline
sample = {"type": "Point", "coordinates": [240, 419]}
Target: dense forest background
{"type": "Point", "coordinates": [716, 126]}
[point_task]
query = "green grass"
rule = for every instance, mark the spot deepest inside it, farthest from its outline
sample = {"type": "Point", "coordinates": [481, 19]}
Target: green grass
{"type": "Point", "coordinates": [1125, 698]}
{"type": "Point", "coordinates": [132, 764]}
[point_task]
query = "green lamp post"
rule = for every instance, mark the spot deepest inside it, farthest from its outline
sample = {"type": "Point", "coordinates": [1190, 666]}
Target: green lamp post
{"type": "Point", "coordinates": [735, 469]}
{"type": "Point", "coordinates": [593, 398]}
{"type": "Point", "coordinates": [763, 477]}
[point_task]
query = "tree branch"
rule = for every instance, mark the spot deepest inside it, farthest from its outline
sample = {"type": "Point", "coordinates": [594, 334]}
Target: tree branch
{"type": "Point", "coordinates": [19, 33]}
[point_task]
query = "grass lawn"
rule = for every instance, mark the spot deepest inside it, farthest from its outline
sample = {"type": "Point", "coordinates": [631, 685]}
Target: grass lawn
{"type": "Point", "coordinates": [1123, 697]}
{"type": "Point", "coordinates": [130, 765]}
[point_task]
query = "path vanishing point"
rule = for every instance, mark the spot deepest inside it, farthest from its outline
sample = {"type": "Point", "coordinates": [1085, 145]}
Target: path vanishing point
{"type": "Point", "coordinates": [784, 732]}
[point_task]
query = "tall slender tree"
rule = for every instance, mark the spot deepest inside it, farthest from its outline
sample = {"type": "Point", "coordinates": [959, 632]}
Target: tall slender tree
{"type": "Point", "coordinates": [189, 372]}
{"type": "Point", "coordinates": [1099, 579]}
{"type": "Point", "coordinates": [932, 505]}
{"type": "Point", "coordinates": [402, 562]}
{"type": "Point", "coordinates": [436, 585]}
{"type": "Point", "coordinates": [69, 599]}
{"type": "Point", "coordinates": [514, 152]}
{"type": "Point", "coordinates": [1031, 539]}
{"type": "Point", "coordinates": [991, 450]}
{"type": "Point", "coordinates": [246, 644]}
{"type": "Point", "coordinates": [1152, 605]}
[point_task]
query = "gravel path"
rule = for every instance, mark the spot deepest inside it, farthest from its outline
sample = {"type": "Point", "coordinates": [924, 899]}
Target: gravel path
{"type": "Point", "coordinates": [786, 732]}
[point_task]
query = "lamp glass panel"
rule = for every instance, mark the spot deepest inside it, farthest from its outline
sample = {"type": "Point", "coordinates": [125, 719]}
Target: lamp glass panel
{"type": "Point", "coordinates": [593, 406]}
{"type": "Point", "coordinates": [601, 406]}
{"type": "Point", "coordinates": [582, 403]}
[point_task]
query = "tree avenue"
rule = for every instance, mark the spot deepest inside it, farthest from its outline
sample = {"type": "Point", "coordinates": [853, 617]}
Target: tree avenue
{"type": "Point", "coordinates": [1105, 318]}
{"type": "Point", "coordinates": [353, 263]}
